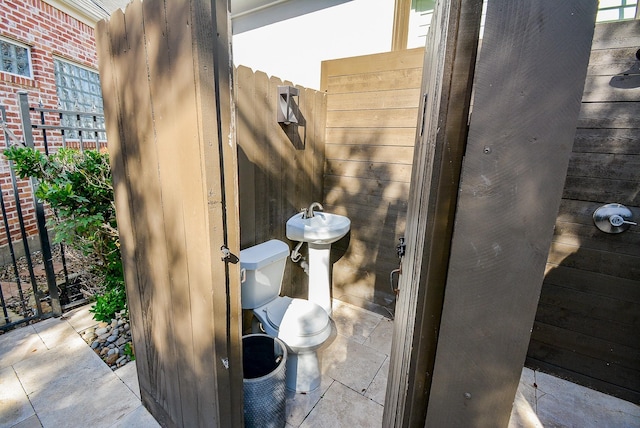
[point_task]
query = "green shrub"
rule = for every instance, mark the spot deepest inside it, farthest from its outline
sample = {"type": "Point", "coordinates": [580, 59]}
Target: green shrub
{"type": "Point", "coordinates": [128, 351]}
{"type": "Point", "coordinates": [108, 304]}
{"type": "Point", "coordinates": [77, 186]}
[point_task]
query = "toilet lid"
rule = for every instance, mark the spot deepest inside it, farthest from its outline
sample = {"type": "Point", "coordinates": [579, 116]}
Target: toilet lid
{"type": "Point", "coordinates": [296, 316]}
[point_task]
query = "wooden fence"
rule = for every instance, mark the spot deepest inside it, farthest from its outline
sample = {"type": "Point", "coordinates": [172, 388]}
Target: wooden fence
{"type": "Point", "coordinates": [372, 108]}
{"type": "Point", "coordinates": [586, 325]}
{"type": "Point", "coordinates": [587, 322]}
{"type": "Point", "coordinates": [280, 166]}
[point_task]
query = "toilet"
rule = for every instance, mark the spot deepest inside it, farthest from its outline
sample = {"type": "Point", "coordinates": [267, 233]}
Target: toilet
{"type": "Point", "coordinates": [302, 325]}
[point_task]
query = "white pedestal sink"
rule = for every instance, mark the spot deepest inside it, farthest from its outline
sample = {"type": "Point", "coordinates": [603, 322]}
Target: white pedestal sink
{"type": "Point", "coordinates": [319, 231]}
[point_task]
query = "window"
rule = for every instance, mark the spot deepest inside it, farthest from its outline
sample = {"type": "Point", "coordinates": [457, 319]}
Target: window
{"type": "Point", "coordinates": [79, 90]}
{"type": "Point", "coordinates": [16, 58]}
{"type": "Point", "coordinates": [616, 10]}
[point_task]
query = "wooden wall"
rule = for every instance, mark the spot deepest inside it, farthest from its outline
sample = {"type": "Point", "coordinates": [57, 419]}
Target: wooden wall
{"type": "Point", "coordinates": [173, 156]}
{"type": "Point", "coordinates": [372, 105]}
{"type": "Point", "coordinates": [280, 166]}
{"type": "Point", "coordinates": [588, 319]}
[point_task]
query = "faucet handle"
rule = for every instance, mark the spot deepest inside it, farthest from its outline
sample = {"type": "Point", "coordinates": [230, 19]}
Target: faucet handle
{"type": "Point", "coordinates": [304, 212]}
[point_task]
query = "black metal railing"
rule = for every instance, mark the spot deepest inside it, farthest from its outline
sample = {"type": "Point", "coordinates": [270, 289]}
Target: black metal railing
{"type": "Point", "coordinates": [22, 295]}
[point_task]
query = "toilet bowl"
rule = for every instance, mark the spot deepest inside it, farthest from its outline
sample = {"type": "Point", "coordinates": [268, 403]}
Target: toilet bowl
{"type": "Point", "coordinates": [302, 325]}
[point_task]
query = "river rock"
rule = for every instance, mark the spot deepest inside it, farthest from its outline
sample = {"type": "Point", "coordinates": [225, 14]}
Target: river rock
{"type": "Point", "coordinates": [110, 340]}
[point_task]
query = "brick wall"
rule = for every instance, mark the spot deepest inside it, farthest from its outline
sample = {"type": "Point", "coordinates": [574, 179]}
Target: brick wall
{"type": "Point", "coordinates": [49, 33]}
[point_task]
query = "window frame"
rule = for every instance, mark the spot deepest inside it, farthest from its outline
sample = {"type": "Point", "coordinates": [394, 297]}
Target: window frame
{"type": "Point", "coordinates": [29, 57]}
{"type": "Point", "coordinates": [86, 110]}
{"type": "Point", "coordinates": [620, 9]}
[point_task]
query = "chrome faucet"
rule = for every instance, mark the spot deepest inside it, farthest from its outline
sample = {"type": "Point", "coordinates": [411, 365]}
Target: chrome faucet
{"type": "Point", "coordinates": [308, 212]}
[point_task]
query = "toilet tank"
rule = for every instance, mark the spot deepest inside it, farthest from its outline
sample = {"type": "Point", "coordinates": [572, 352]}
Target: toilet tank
{"type": "Point", "coordinates": [262, 267]}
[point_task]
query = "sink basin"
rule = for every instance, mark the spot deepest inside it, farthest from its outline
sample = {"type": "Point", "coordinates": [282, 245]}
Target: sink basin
{"type": "Point", "coordinates": [322, 228]}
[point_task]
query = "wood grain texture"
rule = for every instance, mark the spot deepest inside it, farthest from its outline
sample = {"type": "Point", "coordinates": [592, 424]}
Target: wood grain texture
{"type": "Point", "coordinates": [592, 282]}
{"type": "Point", "coordinates": [450, 57]}
{"type": "Point", "coordinates": [176, 196]}
{"type": "Point", "coordinates": [280, 166]}
{"type": "Point", "coordinates": [372, 108]}
{"type": "Point", "coordinates": [516, 159]}
{"type": "Point", "coordinates": [365, 64]}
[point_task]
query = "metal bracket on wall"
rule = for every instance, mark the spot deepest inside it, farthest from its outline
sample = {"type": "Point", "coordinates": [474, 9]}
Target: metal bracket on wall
{"type": "Point", "coordinates": [613, 218]}
{"type": "Point", "coordinates": [228, 256]}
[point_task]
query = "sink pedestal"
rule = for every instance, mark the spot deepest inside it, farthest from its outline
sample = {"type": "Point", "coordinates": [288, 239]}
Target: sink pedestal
{"type": "Point", "coordinates": [319, 230]}
{"type": "Point", "coordinates": [320, 275]}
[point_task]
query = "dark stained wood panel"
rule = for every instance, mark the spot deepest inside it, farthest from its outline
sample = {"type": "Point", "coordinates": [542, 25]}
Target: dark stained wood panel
{"type": "Point", "coordinates": [602, 308]}
{"type": "Point", "coordinates": [579, 322]}
{"type": "Point", "coordinates": [594, 239]}
{"type": "Point", "coordinates": [585, 344]}
{"type": "Point", "coordinates": [607, 262]}
{"type": "Point", "coordinates": [591, 289]}
{"type": "Point", "coordinates": [603, 190]}
{"type": "Point", "coordinates": [609, 166]}
{"type": "Point", "coordinates": [608, 141]}
{"type": "Point", "coordinates": [516, 158]}
{"type": "Point", "coordinates": [612, 378]}
{"type": "Point", "coordinates": [593, 283]}
{"type": "Point", "coordinates": [610, 115]}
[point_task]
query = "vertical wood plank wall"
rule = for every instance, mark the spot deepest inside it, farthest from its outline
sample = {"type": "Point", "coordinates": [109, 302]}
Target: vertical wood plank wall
{"type": "Point", "coordinates": [372, 108]}
{"type": "Point", "coordinates": [587, 322]}
{"type": "Point", "coordinates": [173, 156]}
{"type": "Point", "coordinates": [280, 166]}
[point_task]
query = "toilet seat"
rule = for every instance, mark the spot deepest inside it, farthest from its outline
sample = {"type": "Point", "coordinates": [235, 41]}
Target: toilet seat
{"type": "Point", "coordinates": [298, 322]}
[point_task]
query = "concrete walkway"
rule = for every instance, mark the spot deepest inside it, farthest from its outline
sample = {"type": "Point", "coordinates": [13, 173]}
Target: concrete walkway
{"type": "Point", "coordinates": [49, 377]}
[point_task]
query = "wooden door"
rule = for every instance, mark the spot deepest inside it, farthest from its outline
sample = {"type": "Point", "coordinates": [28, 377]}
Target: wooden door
{"type": "Point", "coordinates": [482, 205]}
{"type": "Point", "coordinates": [166, 79]}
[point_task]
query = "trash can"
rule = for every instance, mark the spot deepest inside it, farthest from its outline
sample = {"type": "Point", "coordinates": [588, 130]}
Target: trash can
{"type": "Point", "coordinates": [264, 360]}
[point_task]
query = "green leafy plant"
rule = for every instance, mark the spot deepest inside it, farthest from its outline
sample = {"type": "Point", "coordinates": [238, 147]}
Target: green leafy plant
{"type": "Point", "coordinates": [108, 304]}
{"type": "Point", "coordinates": [128, 351]}
{"type": "Point", "coordinates": [77, 186]}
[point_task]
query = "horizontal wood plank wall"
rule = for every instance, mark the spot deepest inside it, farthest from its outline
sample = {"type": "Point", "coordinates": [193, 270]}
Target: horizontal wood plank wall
{"type": "Point", "coordinates": [372, 108]}
{"type": "Point", "coordinates": [280, 166]}
{"type": "Point", "coordinates": [588, 319]}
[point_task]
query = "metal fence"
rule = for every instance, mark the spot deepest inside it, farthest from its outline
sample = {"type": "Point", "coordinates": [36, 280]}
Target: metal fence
{"type": "Point", "coordinates": [35, 280]}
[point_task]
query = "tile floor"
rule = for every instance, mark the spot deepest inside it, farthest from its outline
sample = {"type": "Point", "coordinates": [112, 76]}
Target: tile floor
{"type": "Point", "coordinates": [355, 366]}
{"type": "Point", "coordinates": [50, 378]}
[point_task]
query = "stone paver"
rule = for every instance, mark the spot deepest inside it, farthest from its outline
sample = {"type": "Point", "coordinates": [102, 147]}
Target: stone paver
{"type": "Point", "coordinates": [49, 377]}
